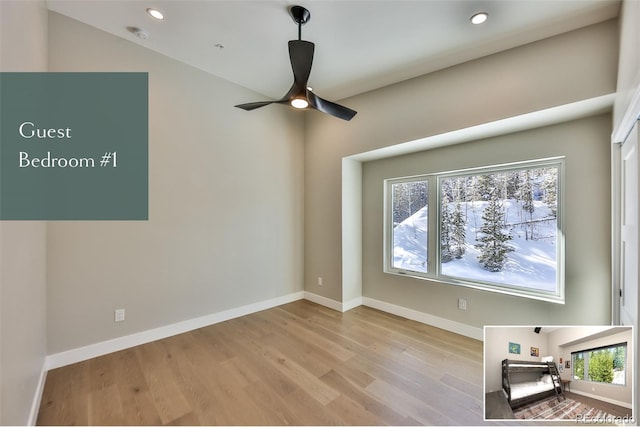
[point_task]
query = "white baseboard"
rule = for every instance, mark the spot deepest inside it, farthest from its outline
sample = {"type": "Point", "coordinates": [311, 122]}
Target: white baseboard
{"type": "Point", "coordinates": [348, 305]}
{"type": "Point", "coordinates": [37, 398]}
{"type": "Point", "coordinates": [418, 316]}
{"type": "Point", "coordinates": [429, 319]}
{"type": "Point", "coordinates": [327, 302]}
{"type": "Point", "coordinates": [604, 399]}
{"type": "Point", "coordinates": [333, 304]}
{"type": "Point", "coordinates": [99, 349]}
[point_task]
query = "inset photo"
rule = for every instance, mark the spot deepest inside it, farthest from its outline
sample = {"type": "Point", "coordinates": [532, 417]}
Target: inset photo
{"type": "Point", "coordinates": [574, 373]}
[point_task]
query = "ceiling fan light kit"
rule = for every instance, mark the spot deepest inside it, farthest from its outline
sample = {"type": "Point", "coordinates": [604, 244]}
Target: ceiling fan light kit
{"type": "Point", "coordinates": [299, 103]}
{"type": "Point", "coordinates": [300, 95]}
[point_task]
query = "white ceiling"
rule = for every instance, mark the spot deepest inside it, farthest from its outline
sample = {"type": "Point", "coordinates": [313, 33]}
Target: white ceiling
{"type": "Point", "coordinates": [360, 44]}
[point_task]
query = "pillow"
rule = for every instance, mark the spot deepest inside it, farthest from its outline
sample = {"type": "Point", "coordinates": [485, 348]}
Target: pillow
{"type": "Point", "coordinates": [546, 379]}
{"type": "Point", "coordinates": [546, 359]}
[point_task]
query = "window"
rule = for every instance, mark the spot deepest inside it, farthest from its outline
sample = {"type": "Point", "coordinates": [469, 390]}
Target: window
{"type": "Point", "coordinates": [496, 228]}
{"type": "Point", "coordinates": [410, 224]}
{"type": "Point", "coordinates": [601, 365]}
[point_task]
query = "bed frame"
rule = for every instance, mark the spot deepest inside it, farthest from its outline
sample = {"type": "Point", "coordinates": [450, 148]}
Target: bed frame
{"type": "Point", "coordinates": [510, 367]}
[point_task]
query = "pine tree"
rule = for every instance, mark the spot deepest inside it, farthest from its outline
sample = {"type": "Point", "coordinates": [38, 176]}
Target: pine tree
{"type": "Point", "coordinates": [513, 185]}
{"type": "Point", "coordinates": [618, 358]}
{"type": "Point", "coordinates": [460, 192]}
{"type": "Point", "coordinates": [578, 367]}
{"type": "Point", "coordinates": [458, 234]}
{"type": "Point", "coordinates": [446, 229]}
{"type": "Point", "coordinates": [408, 198]}
{"type": "Point", "coordinates": [601, 366]}
{"type": "Point", "coordinates": [501, 184]}
{"type": "Point", "coordinates": [418, 195]}
{"type": "Point", "coordinates": [493, 243]}
{"type": "Point", "coordinates": [401, 203]}
{"type": "Point", "coordinates": [550, 186]}
{"type": "Point", "coordinates": [526, 195]}
{"type": "Point", "coordinates": [484, 187]}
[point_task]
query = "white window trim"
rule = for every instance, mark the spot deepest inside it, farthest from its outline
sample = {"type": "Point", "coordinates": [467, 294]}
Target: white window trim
{"type": "Point", "coordinates": [433, 273]}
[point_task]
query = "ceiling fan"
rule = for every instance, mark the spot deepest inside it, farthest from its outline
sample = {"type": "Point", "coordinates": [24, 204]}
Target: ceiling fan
{"type": "Point", "coordinates": [300, 95]}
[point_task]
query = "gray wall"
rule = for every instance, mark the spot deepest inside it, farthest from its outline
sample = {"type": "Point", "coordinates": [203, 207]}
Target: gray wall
{"type": "Point", "coordinates": [585, 143]}
{"type": "Point", "coordinates": [570, 67]}
{"type": "Point", "coordinates": [22, 244]}
{"type": "Point", "coordinates": [225, 204]}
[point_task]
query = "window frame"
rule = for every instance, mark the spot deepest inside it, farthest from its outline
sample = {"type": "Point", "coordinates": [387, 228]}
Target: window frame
{"type": "Point", "coordinates": [388, 235]}
{"type": "Point", "coordinates": [586, 356]}
{"type": "Point", "coordinates": [434, 273]}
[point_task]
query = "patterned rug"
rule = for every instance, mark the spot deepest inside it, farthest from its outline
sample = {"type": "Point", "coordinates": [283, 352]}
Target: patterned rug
{"type": "Point", "coordinates": [551, 409]}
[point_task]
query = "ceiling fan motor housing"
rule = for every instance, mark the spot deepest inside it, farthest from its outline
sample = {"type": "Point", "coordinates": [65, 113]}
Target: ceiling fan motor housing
{"type": "Point", "coordinates": [300, 15]}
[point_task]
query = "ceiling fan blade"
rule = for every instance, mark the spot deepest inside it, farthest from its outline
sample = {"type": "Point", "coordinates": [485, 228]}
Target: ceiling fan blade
{"type": "Point", "coordinates": [329, 107]}
{"type": "Point", "coordinates": [253, 105]}
{"type": "Point", "coordinates": [301, 55]}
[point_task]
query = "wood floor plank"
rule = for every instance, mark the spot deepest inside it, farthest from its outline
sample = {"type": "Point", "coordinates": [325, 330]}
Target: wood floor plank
{"type": "Point", "coordinates": [105, 406]}
{"type": "Point", "coordinates": [239, 372]}
{"type": "Point", "coordinates": [311, 412]}
{"type": "Point", "coordinates": [382, 412]}
{"type": "Point", "coordinates": [272, 403]}
{"type": "Point", "coordinates": [469, 387]}
{"type": "Point", "coordinates": [296, 364]}
{"type": "Point", "coordinates": [101, 372]}
{"type": "Point", "coordinates": [427, 389]}
{"type": "Point", "coordinates": [424, 413]}
{"type": "Point", "coordinates": [164, 391]}
{"type": "Point", "coordinates": [301, 332]}
{"type": "Point", "coordinates": [300, 376]}
{"type": "Point", "coordinates": [251, 355]}
{"type": "Point", "coordinates": [137, 407]}
{"type": "Point", "coordinates": [436, 336]}
{"type": "Point", "coordinates": [217, 350]}
{"type": "Point", "coordinates": [351, 412]}
{"type": "Point", "coordinates": [65, 397]}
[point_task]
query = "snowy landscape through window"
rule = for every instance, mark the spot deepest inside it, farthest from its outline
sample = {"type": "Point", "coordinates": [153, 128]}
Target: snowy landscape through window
{"type": "Point", "coordinates": [496, 228]}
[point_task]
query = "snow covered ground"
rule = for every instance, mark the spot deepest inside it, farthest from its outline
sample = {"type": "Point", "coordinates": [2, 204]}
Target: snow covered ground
{"type": "Point", "coordinates": [532, 264]}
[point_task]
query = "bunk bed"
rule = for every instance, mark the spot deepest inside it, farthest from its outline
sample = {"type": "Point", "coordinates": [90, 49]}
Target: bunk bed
{"type": "Point", "coordinates": [520, 392]}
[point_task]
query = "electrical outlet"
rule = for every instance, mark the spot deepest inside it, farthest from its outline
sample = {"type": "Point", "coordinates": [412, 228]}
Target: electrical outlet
{"type": "Point", "coordinates": [462, 303]}
{"type": "Point", "coordinates": [319, 281]}
{"type": "Point", "coordinates": [119, 315]}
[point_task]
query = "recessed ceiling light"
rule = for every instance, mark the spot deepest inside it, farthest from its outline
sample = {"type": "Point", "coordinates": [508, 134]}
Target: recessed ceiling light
{"type": "Point", "coordinates": [155, 13]}
{"type": "Point", "coordinates": [479, 18]}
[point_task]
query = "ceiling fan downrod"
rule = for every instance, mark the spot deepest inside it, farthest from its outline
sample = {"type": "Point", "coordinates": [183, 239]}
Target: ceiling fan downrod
{"type": "Point", "coordinates": [300, 16]}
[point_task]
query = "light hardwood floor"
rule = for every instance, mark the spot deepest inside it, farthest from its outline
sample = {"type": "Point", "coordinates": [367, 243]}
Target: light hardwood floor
{"type": "Point", "coordinates": [297, 364]}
